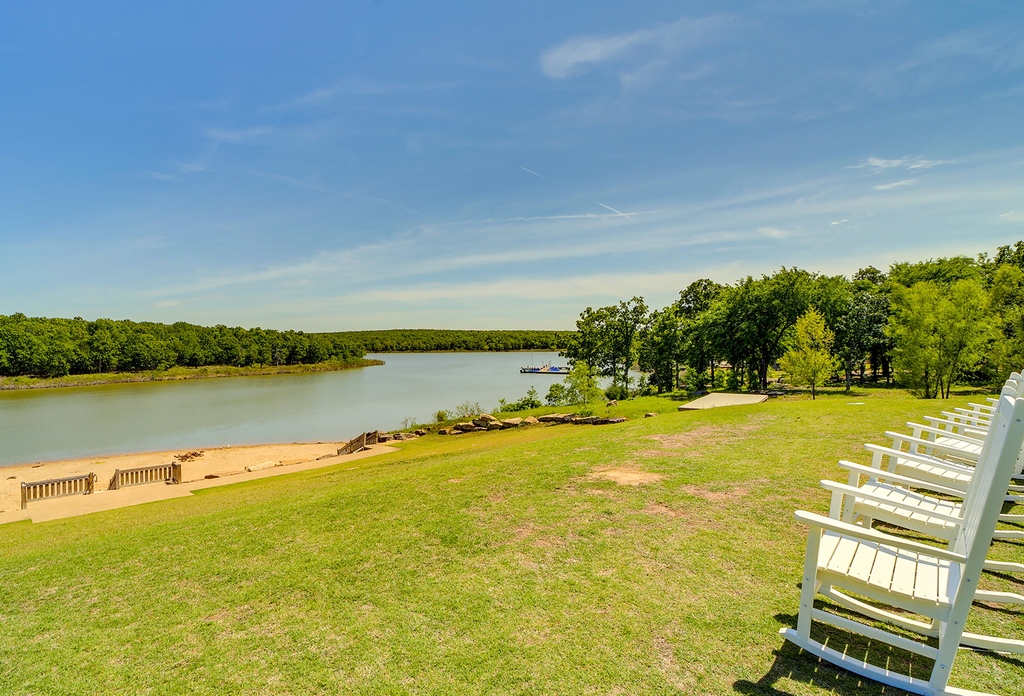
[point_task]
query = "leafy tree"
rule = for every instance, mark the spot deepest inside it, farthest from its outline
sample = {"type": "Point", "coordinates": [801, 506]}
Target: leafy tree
{"type": "Point", "coordinates": [579, 387]}
{"type": "Point", "coordinates": [810, 360]}
{"type": "Point", "coordinates": [938, 333]}
{"type": "Point", "coordinates": [661, 346]}
{"type": "Point", "coordinates": [754, 318]}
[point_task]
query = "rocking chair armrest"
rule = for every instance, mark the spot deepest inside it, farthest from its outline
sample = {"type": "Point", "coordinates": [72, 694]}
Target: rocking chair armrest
{"type": "Point", "coordinates": [968, 415]}
{"type": "Point", "coordinates": [900, 478]}
{"type": "Point", "coordinates": [932, 445]}
{"type": "Point", "coordinates": [963, 429]}
{"type": "Point", "coordinates": [915, 457]}
{"type": "Point", "coordinates": [945, 433]}
{"type": "Point", "coordinates": [867, 495]}
{"type": "Point", "coordinates": [852, 530]}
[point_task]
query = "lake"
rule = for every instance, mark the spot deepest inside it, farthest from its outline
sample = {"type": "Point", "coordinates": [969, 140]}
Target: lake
{"type": "Point", "coordinates": [51, 424]}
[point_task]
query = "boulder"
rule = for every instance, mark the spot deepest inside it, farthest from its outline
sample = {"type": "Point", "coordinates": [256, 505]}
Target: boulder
{"type": "Point", "coordinates": [481, 423]}
{"type": "Point", "coordinates": [511, 422]}
{"type": "Point", "coordinates": [588, 420]}
{"type": "Point", "coordinates": [612, 421]}
{"type": "Point", "coordinates": [530, 420]}
{"type": "Point", "coordinates": [495, 425]}
{"type": "Point", "coordinates": [552, 418]}
{"type": "Point", "coordinates": [443, 431]}
{"type": "Point", "coordinates": [650, 415]}
{"type": "Point", "coordinates": [465, 427]}
{"type": "Point", "coordinates": [479, 430]}
{"type": "Point", "coordinates": [419, 433]}
{"type": "Point", "coordinates": [611, 403]}
{"type": "Point", "coordinates": [487, 417]}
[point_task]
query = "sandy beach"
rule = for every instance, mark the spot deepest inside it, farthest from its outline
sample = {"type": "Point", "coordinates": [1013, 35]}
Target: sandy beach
{"type": "Point", "coordinates": [215, 466]}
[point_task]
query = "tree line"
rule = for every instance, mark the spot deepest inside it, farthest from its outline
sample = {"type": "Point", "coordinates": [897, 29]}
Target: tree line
{"type": "Point", "coordinates": [925, 325]}
{"type": "Point", "coordinates": [413, 340]}
{"type": "Point", "coordinates": [45, 347]}
{"type": "Point", "coordinates": [52, 347]}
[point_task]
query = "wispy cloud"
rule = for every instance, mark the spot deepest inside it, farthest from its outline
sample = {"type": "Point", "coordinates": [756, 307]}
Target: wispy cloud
{"type": "Point", "coordinates": [226, 135]}
{"type": "Point", "coordinates": [894, 184]}
{"type": "Point", "coordinates": [839, 222]}
{"type": "Point", "coordinates": [579, 54]}
{"type": "Point", "coordinates": [878, 164]}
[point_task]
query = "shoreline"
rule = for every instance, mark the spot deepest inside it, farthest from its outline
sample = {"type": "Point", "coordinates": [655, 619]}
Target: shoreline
{"type": "Point", "coordinates": [174, 374]}
{"type": "Point", "coordinates": [215, 467]}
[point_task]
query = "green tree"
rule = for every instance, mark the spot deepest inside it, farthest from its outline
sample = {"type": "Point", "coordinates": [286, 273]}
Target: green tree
{"type": "Point", "coordinates": [939, 332]}
{"type": "Point", "coordinates": [753, 319]}
{"type": "Point", "coordinates": [810, 360]}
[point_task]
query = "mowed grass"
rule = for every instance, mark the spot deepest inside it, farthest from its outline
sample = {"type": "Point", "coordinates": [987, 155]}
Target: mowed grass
{"type": "Point", "coordinates": [485, 563]}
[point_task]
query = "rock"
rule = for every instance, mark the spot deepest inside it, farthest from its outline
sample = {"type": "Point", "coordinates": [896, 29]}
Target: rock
{"type": "Point", "coordinates": [481, 423]}
{"type": "Point", "coordinates": [650, 415]}
{"type": "Point", "coordinates": [552, 418]}
{"type": "Point", "coordinates": [383, 437]}
{"type": "Point", "coordinates": [588, 420]}
{"type": "Point", "coordinates": [612, 421]}
{"type": "Point", "coordinates": [443, 431]}
{"type": "Point", "coordinates": [487, 417]}
{"type": "Point", "coordinates": [530, 420]}
{"type": "Point", "coordinates": [569, 418]}
{"type": "Point", "coordinates": [419, 433]}
{"type": "Point", "coordinates": [495, 425]}
{"type": "Point", "coordinates": [511, 422]}
{"type": "Point", "coordinates": [611, 403]}
{"type": "Point", "coordinates": [262, 465]}
{"type": "Point", "coordinates": [465, 427]}
{"type": "Point", "coordinates": [325, 456]}
{"type": "Point", "coordinates": [479, 430]}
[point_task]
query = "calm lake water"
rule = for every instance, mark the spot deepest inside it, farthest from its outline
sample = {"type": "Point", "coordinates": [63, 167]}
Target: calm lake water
{"type": "Point", "coordinates": [49, 424]}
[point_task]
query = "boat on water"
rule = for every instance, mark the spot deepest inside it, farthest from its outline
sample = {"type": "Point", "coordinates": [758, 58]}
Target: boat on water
{"type": "Point", "coordinates": [544, 370]}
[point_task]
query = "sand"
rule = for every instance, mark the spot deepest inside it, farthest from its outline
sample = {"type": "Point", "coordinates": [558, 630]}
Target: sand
{"type": "Point", "coordinates": [227, 464]}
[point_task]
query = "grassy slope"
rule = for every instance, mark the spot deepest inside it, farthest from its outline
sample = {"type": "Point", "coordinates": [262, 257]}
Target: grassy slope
{"type": "Point", "coordinates": [484, 563]}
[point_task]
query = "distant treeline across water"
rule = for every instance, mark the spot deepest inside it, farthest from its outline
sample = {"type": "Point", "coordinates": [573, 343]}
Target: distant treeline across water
{"type": "Point", "coordinates": [46, 347]}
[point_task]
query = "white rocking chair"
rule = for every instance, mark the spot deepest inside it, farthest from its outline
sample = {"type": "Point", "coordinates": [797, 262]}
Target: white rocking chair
{"type": "Point", "coordinates": [937, 584]}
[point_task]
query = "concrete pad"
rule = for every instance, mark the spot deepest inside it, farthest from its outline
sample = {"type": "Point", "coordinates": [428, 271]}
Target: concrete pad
{"type": "Point", "coordinates": [719, 399]}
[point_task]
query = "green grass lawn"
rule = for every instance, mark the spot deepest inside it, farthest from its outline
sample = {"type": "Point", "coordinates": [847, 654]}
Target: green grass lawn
{"type": "Point", "coordinates": [484, 563]}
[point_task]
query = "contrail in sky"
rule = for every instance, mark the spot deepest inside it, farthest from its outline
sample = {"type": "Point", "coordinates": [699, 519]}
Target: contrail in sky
{"type": "Point", "coordinates": [614, 210]}
{"type": "Point", "coordinates": [534, 173]}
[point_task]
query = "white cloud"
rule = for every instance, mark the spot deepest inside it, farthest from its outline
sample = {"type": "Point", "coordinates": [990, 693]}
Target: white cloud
{"type": "Point", "coordinates": [895, 184]}
{"type": "Point", "coordinates": [838, 222]}
{"type": "Point", "coordinates": [577, 55]}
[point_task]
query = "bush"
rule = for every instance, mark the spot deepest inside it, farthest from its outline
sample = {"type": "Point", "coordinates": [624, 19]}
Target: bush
{"type": "Point", "coordinates": [616, 392]}
{"type": "Point", "coordinates": [524, 404]}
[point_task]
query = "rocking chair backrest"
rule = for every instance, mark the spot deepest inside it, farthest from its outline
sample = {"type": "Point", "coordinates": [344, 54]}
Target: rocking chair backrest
{"type": "Point", "coordinates": [984, 499]}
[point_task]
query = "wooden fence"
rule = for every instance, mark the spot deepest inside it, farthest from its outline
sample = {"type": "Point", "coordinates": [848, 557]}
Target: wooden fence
{"type": "Point", "coordinates": [158, 473]}
{"type": "Point", "coordinates": [56, 488]}
{"type": "Point", "coordinates": [359, 442]}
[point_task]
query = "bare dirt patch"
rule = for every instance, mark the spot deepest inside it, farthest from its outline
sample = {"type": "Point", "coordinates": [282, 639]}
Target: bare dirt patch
{"type": "Point", "coordinates": [625, 476]}
{"type": "Point", "coordinates": [723, 493]}
{"type": "Point", "coordinates": [700, 439]}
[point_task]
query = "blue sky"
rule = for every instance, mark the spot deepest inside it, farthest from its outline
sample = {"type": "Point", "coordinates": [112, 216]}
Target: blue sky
{"type": "Point", "coordinates": [335, 166]}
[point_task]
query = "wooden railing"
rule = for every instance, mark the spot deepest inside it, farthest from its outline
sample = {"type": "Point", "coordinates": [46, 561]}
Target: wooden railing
{"type": "Point", "coordinates": [56, 488]}
{"type": "Point", "coordinates": [359, 442]}
{"type": "Point", "coordinates": [158, 473]}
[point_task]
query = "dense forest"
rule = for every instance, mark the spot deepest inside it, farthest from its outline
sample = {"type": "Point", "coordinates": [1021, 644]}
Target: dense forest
{"type": "Point", "coordinates": [924, 325]}
{"type": "Point", "coordinates": [402, 340]}
{"type": "Point", "coordinates": [42, 347]}
{"type": "Point", "coordinates": [57, 347]}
